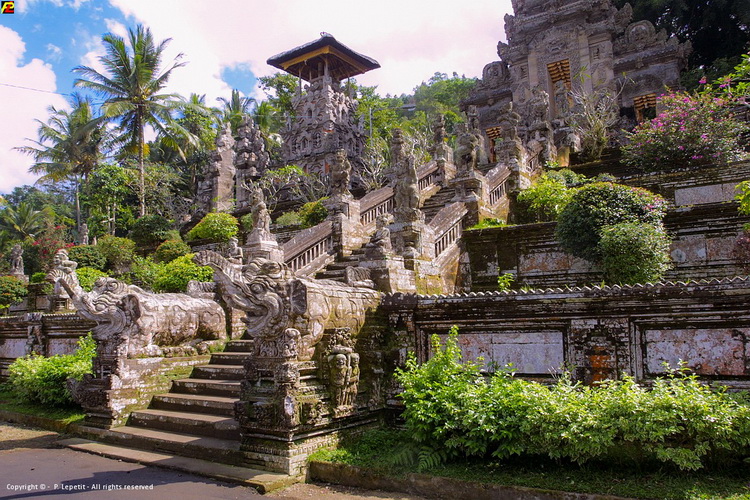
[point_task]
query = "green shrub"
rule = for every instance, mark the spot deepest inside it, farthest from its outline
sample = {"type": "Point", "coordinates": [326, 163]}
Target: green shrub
{"type": "Point", "coordinates": [691, 130]}
{"type": "Point", "coordinates": [150, 230]}
{"type": "Point", "coordinates": [215, 226]}
{"type": "Point", "coordinates": [119, 252]}
{"type": "Point", "coordinates": [12, 290]}
{"type": "Point", "coordinates": [312, 213]}
{"type": "Point", "coordinates": [144, 272]}
{"type": "Point", "coordinates": [601, 204]}
{"type": "Point", "coordinates": [43, 380]}
{"type": "Point", "coordinates": [174, 276]}
{"type": "Point", "coordinates": [170, 250]}
{"type": "Point", "coordinates": [87, 276]}
{"type": "Point", "coordinates": [452, 411]}
{"type": "Point", "coordinates": [39, 277]}
{"type": "Point", "coordinates": [545, 199]}
{"type": "Point", "coordinates": [88, 256]}
{"type": "Point", "coordinates": [288, 219]}
{"type": "Point", "coordinates": [634, 253]}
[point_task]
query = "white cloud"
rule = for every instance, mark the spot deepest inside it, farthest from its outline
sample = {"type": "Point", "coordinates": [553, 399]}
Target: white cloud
{"type": "Point", "coordinates": [54, 52]}
{"type": "Point", "coordinates": [19, 107]}
{"type": "Point", "coordinates": [411, 40]}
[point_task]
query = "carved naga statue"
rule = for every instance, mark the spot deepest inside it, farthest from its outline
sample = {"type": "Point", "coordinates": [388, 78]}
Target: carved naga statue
{"type": "Point", "coordinates": [133, 323]}
{"type": "Point", "coordinates": [287, 314]}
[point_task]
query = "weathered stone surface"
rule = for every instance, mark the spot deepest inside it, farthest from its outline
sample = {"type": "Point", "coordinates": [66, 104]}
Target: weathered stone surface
{"type": "Point", "coordinates": [600, 332]}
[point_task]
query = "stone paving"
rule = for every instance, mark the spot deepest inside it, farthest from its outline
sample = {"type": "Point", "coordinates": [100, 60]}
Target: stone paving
{"type": "Point", "coordinates": [33, 467]}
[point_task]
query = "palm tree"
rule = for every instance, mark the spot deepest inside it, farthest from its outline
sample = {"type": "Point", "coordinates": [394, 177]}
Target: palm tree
{"type": "Point", "coordinates": [235, 108]}
{"type": "Point", "coordinates": [69, 146]}
{"type": "Point", "coordinates": [23, 222]}
{"type": "Point", "coordinates": [132, 87]}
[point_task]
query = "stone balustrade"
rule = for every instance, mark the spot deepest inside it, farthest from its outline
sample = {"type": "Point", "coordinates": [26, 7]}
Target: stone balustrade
{"type": "Point", "coordinates": [310, 249]}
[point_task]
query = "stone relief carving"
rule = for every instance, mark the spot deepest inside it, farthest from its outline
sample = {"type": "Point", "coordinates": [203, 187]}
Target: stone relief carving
{"type": "Point", "coordinates": [340, 369]}
{"type": "Point", "coordinates": [260, 214]}
{"type": "Point", "coordinates": [276, 302]}
{"type": "Point", "coordinates": [134, 323]}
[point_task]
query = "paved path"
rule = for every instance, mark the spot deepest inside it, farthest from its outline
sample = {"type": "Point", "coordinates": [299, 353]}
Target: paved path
{"type": "Point", "coordinates": [31, 467]}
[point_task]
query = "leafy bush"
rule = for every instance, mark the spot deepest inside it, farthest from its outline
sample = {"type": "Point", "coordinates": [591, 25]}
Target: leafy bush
{"type": "Point", "coordinates": [288, 219]}
{"type": "Point", "coordinates": [452, 410]}
{"type": "Point", "coordinates": [88, 256]}
{"type": "Point", "coordinates": [215, 226]}
{"type": "Point", "coordinates": [87, 276]}
{"type": "Point", "coordinates": [12, 290]}
{"type": "Point", "coordinates": [691, 130]}
{"type": "Point", "coordinates": [144, 272]}
{"type": "Point", "coordinates": [150, 230]}
{"type": "Point", "coordinates": [602, 204]}
{"type": "Point", "coordinates": [38, 256]}
{"type": "Point", "coordinates": [119, 252]}
{"type": "Point", "coordinates": [545, 199]}
{"type": "Point", "coordinates": [312, 213]}
{"type": "Point", "coordinates": [634, 253]}
{"type": "Point", "coordinates": [170, 250]}
{"type": "Point", "coordinates": [43, 380]}
{"type": "Point", "coordinates": [174, 276]}
{"type": "Point", "coordinates": [39, 277]}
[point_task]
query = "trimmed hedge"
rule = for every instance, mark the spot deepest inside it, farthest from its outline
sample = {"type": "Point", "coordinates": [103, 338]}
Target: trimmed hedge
{"type": "Point", "coordinates": [215, 226]}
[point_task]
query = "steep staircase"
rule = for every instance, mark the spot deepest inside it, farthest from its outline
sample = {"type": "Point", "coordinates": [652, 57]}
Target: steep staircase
{"type": "Point", "coordinates": [196, 418]}
{"type": "Point", "coordinates": [336, 270]}
{"type": "Point", "coordinates": [433, 204]}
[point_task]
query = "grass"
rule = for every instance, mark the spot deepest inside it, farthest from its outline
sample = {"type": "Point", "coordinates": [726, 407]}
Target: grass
{"type": "Point", "coordinates": [487, 223]}
{"type": "Point", "coordinates": [65, 415]}
{"type": "Point", "coordinates": [381, 451]}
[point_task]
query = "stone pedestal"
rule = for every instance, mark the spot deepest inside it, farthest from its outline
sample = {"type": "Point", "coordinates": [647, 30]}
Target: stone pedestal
{"type": "Point", "coordinates": [348, 233]}
{"type": "Point", "coordinates": [390, 274]}
{"type": "Point", "coordinates": [262, 244]}
{"type": "Point", "coordinates": [471, 189]}
{"type": "Point", "coordinates": [412, 240]}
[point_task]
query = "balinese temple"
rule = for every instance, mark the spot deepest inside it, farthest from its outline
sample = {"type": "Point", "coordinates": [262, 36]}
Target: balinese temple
{"type": "Point", "coordinates": [556, 44]}
{"type": "Point", "coordinates": [324, 118]}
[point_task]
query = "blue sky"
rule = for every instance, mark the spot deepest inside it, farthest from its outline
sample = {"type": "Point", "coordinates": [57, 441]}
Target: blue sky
{"type": "Point", "coordinates": [226, 44]}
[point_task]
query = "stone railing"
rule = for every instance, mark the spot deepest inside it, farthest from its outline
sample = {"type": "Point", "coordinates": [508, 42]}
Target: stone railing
{"type": "Point", "coordinates": [496, 183]}
{"type": "Point", "coordinates": [447, 226]}
{"type": "Point", "coordinates": [375, 203]}
{"type": "Point", "coordinates": [429, 174]}
{"type": "Point", "coordinates": [310, 249]}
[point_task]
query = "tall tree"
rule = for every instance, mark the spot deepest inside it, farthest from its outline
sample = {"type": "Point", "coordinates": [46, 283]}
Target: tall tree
{"type": "Point", "coordinates": [69, 147]}
{"type": "Point", "coordinates": [235, 108]}
{"type": "Point", "coordinates": [23, 222]}
{"type": "Point", "coordinates": [133, 85]}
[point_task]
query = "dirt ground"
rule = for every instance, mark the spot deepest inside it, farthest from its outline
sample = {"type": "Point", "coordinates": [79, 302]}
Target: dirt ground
{"type": "Point", "coordinates": [32, 454]}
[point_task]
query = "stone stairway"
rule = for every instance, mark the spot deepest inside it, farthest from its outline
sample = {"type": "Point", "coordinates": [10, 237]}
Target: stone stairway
{"type": "Point", "coordinates": [437, 201]}
{"type": "Point", "coordinates": [337, 270]}
{"type": "Point", "coordinates": [196, 418]}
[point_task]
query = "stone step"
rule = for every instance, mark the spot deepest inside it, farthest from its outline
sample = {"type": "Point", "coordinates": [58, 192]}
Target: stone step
{"type": "Point", "coordinates": [239, 346]}
{"type": "Point", "coordinates": [198, 424]}
{"type": "Point", "coordinates": [189, 445]}
{"type": "Point", "coordinates": [230, 358]}
{"type": "Point", "coordinates": [261, 480]}
{"type": "Point", "coordinates": [211, 387]}
{"type": "Point", "coordinates": [198, 403]}
{"type": "Point", "coordinates": [219, 371]}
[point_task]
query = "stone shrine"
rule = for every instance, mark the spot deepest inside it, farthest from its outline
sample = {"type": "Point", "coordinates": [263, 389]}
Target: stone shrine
{"type": "Point", "coordinates": [554, 46]}
{"type": "Point", "coordinates": [324, 119]}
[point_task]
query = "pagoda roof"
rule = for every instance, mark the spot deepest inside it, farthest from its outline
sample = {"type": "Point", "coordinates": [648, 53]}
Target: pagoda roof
{"type": "Point", "coordinates": [306, 60]}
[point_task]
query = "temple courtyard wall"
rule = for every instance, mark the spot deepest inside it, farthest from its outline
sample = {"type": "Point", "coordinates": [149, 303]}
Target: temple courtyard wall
{"type": "Point", "coordinates": [597, 333]}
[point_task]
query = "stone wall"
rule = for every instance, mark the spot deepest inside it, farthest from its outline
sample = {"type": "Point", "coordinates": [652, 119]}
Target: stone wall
{"type": "Point", "coordinates": [46, 334]}
{"type": "Point", "coordinates": [597, 332]}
